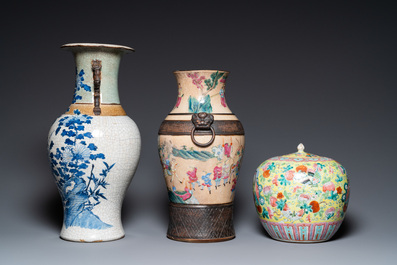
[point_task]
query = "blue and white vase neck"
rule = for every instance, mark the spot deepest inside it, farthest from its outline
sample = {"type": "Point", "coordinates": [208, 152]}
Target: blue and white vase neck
{"type": "Point", "coordinates": [109, 57]}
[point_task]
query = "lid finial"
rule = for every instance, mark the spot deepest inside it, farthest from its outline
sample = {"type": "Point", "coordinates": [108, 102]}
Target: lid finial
{"type": "Point", "coordinates": [301, 148]}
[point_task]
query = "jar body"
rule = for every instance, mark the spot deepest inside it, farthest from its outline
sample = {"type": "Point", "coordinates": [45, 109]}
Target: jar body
{"type": "Point", "coordinates": [94, 149]}
{"type": "Point", "coordinates": [301, 197]}
{"type": "Point", "coordinates": [200, 167]}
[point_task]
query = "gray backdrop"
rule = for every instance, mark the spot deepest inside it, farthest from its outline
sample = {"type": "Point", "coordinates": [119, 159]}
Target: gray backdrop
{"type": "Point", "coordinates": [318, 72]}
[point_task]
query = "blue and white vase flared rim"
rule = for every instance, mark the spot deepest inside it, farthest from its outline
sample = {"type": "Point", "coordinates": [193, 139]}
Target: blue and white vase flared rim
{"type": "Point", "coordinates": [122, 48]}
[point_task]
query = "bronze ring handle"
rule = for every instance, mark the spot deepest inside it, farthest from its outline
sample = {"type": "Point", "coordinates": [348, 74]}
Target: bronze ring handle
{"type": "Point", "coordinates": [205, 144]}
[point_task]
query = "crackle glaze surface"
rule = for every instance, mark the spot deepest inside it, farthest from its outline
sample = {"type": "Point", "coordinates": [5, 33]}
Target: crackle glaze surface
{"type": "Point", "coordinates": [193, 174]}
{"type": "Point", "coordinates": [201, 175]}
{"type": "Point", "coordinates": [93, 160]}
{"type": "Point", "coordinates": [301, 197]}
{"type": "Point", "coordinates": [94, 157]}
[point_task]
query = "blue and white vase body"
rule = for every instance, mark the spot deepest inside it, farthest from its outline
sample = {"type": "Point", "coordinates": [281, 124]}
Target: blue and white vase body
{"type": "Point", "coordinates": [94, 148]}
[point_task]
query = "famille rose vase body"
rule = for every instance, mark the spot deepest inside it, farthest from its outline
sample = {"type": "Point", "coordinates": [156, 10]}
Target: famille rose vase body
{"type": "Point", "coordinates": [301, 197]}
{"type": "Point", "coordinates": [201, 143]}
{"type": "Point", "coordinates": [94, 147]}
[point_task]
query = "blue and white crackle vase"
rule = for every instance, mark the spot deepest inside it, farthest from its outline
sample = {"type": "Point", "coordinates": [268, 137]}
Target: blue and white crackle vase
{"type": "Point", "coordinates": [94, 147]}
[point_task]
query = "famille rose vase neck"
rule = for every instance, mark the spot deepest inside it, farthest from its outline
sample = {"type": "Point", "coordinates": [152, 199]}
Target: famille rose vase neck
{"type": "Point", "coordinates": [201, 91]}
{"type": "Point", "coordinates": [96, 89]}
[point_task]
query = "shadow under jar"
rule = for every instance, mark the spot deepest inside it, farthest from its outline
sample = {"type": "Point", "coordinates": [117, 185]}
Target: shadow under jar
{"type": "Point", "coordinates": [201, 144]}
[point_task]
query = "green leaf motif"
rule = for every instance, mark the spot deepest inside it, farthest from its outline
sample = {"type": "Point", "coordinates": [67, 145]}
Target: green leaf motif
{"type": "Point", "coordinates": [333, 195]}
{"type": "Point", "coordinates": [281, 204]}
{"type": "Point", "coordinates": [338, 178]}
{"type": "Point", "coordinates": [213, 81]}
{"type": "Point", "coordinates": [196, 107]}
{"type": "Point", "coordinates": [193, 105]}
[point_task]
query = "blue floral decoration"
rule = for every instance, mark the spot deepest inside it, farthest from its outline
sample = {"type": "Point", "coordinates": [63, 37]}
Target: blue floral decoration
{"type": "Point", "coordinates": [80, 85]}
{"type": "Point", "coordinates": [73, 167]}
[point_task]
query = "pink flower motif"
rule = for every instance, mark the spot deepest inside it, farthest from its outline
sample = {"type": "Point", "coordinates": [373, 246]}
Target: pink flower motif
{"type": "Point", "coordinates": [273, 201]}
{"type": "Point", "coordinates": [331, 170]}
{"type": "Point", "coordinates": [196, 80]}
{"type": "Point", "coordinates": [270, 212]}
{"type": "Point", "coordinates": [256, 191]}
{"type": "Point", "coordinates": [304, 197]}
{"type": "Point", "coordinates": [267, 190]}
{"type": "Point", "coordinates": [223, 80]}
{"type": "Point", "coordinates": [296, 188]}
{"type": "Point", "coordinates": [228, 149]}
{"type": "Point", "coordinates": [290, 175]}
{"type": "Point", "coordinates": [286, 208]}
{"type": "Point", "coordinates": [274, 180]}
{"type": "Point", "coordinates": [330, 211]}
{"type": "Point", "coordinates": [329, 186]}
{"type": "Point", "coordinates": [318, 167]}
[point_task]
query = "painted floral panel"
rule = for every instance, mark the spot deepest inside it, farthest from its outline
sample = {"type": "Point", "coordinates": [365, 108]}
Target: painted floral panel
{"type": "Point", "coordinates": [202, 103]}
{"type": "Point", "coordinates": [80, 171]}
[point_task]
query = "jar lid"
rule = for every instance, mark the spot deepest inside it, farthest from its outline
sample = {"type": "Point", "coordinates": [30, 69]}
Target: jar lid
{"type": "Point", "coordinates": [300, 156]}
{"type": "Point", "coordinates": [305, 167]}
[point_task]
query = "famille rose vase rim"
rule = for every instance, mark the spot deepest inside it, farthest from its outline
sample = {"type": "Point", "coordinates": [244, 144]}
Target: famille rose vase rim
{"type": "Point", "coordinates": [122, 48]}
{"type": "Point", "coordinates": [200, 71]}
{"type": "Point", "coordinates": [300, 156]}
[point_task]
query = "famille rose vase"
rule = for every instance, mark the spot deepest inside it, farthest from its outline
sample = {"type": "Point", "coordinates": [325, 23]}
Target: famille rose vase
{"type": "Point", "coordinates": [201, 144]}
{"type": "Point", "coordinates": [301, 197]}
{"type": "Point", "coordinates": [94, 147]}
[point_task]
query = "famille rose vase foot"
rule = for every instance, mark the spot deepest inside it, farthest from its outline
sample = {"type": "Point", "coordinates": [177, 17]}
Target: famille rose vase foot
{"type": "Point", "coordinates": [201, 145]}
{"type": "Point", "coordinates": [201, 223]}
{"type": "Point", "coordinates": [94, 148]}
{"type": "Point", "coordinates": [301, 197]}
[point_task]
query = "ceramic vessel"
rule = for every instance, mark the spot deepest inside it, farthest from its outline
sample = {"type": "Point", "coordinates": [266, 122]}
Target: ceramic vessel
{"type": "Point", "coordinates": [301, 197]}
{"type": "Point", "coordinates": [201, 145]}
{"type": "Point", "coordinates": [94, 147]}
